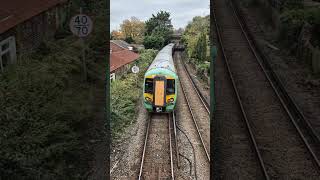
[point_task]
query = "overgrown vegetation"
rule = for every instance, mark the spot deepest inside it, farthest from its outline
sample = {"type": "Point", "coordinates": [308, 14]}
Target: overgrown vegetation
{"type": "Point", "coordinates": [125, 94]}
{"type": "Point", "coordinates": [155, 33]}
{"type": "Point", "coordinates": [196, 39]}
{"type": "Point", "coordinates": [158, 30]}
{"type": "Point", "coordinates": [45, 110]}
{"type": "Point", "coordinates": [131, 30]}
{"type": "Point", "coordinates": [292, 21]}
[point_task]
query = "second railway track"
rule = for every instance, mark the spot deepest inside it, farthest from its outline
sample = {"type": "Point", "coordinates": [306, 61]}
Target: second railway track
{"type": "Point", "coordinates": [193, 117]}
{"type": "Point", "coordinates": [198, 108]}
{"type": "Point", "coordinates": [284, 149]}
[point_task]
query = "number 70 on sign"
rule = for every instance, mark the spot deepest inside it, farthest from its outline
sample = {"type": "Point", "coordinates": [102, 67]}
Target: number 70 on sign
{"type": "Point", "coordinates": [81, 25]}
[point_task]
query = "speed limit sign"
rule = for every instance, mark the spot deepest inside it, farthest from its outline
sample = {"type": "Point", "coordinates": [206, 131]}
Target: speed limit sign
{"type": "Point", "coordinates": [135, 69]}
{"type": "Point", "coordinates": [81, 25]}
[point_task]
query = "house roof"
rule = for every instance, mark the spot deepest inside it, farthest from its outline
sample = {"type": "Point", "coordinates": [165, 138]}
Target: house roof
{"type": "Point", "coordinates": [121, 43]}
{"type": "Point", "coordinates": [14, 12]}
{"type": "Point", "coordinates": [120, 56]}
{"type": "Point", "coordinates": [115, 48]}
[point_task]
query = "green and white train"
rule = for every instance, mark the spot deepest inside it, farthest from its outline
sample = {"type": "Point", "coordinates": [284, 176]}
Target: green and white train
{"type": "Point", "coordinates": [161, 82]}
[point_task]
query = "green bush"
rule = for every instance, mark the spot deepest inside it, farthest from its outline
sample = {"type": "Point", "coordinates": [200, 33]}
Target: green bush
{"type": "Point", "coordinates": [153, 42]}
{"type": "Point", "coordinates": [42, 108]}
{"type": "Point", "coordinates": [203, 68]}
{"type": "Point", "coordinates": [195, 36]}
{"type": "Point", "coordinates": [125, 94]}
{"type": "Point", "coordinates": [201, 48]}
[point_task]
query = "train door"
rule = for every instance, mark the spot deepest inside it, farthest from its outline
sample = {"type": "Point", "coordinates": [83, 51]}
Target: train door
{"type": "Point", "coordinates": [159, 93]}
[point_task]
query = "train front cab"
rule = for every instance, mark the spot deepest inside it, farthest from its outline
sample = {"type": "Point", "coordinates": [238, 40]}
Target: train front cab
{"type": "Point", "coordinates": [159, 94]}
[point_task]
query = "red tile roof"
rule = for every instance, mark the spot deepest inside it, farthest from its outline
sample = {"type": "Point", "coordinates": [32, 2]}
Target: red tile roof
{"type": "Point", "coordinates": [120, 57]}
{"type": "Point", "coordinates": [14, 12]}
{"type": "Point", "coordinates": [115, 48]}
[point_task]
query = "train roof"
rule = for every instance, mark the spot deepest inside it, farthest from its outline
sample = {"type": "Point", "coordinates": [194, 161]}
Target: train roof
{"type": "Point", "coordinates": [164, 59]}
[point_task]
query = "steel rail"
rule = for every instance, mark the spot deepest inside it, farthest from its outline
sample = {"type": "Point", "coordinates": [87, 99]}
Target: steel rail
{"type": "Point", "coordinates": [273, 85]}
{"type": "Point", "coordinates": [293, 106]}
{"type": "Point", "coordinates": [195, 122]}
{"type": "Point", "coordinates": [144, 147]}
{"type": "Point", "coordinates": [175, 138]}
{"type": "Point", "coordinates": [252, 136]}
{"type": "Point", "coordinates": [195, 87]}
{"type": "Point", "coordinates": [171, 156]}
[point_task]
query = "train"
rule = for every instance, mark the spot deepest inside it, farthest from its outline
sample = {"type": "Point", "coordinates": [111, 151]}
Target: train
{"type": "Point", "coordinates": [160, 86]}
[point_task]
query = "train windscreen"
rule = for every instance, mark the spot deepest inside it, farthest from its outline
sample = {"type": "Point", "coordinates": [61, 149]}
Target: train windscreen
{"type": "Point", "coordinates": [148, 88]}
{"type": "Point", "coordinates": [170, 86]}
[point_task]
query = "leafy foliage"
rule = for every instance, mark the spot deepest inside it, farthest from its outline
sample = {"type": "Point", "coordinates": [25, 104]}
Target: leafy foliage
{"type": "Point", "coordinates": [154, 41]}
{"type": "Point", "coordinates": [195, 37]}
{"type": "Point", "coordinates": [125, 95]}
{"type": "Point", "coordinates": [201, 48]}
{"type": "Point", "coordinates": [192, 34]}
{"type": "Point", "coordinates": [41, 106]}
{"type": "Point", "coordinates": [132, 30]}
{"type": "Point", "coordinates": [293, 20]}
{"type": "Point", "coordinates": [44, 109]}
{"type": "Point", "coordinates": [158, 30]}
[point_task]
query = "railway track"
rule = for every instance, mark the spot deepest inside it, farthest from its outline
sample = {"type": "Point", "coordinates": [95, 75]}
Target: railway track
{"type": "Point", "coordinates": [158, 157]}
{"type": "Point", "coordinates": [302, 121]}
{"type": "Point", "coordinates": [196, 104]}
{"type": "Point", "coordinates": [283, 148]}
{"type": "Point", "coordinates": [200, 95]}
{"type": "Point", "coordinates": [194, 117]}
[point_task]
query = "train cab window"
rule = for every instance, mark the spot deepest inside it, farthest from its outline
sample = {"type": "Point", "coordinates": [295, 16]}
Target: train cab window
{"type": "Point", "coordinates": [170, 86]}
{"type": "Point", "coordinates": [148, 88]}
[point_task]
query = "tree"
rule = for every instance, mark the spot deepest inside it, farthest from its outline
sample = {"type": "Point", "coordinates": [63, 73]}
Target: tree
{"type": "Point", "coordinates": [201, 47]}
{"type": "Point", "coordinates": [129, 40]}
{"type": "Point", "coordinates": [160, 27]}
{"type": "Point", "coordinates": [117, 35]}
{"type": "Point", "coordinates": [195, 37]}
{"type": "Point", "coordinates": [133, 29]}
{"type": "Point", "coordinates": [153, 42]}
{"type": "Point", "coordinates": [161, 20]}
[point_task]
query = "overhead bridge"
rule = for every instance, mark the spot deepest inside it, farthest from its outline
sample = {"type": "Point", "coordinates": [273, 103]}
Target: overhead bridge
{"type": "Point", "coordinates": [179, 47]}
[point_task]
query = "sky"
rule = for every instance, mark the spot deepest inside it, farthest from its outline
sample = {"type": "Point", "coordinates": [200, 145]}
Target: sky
{"type": "Point", "coordinates": [181, 11]}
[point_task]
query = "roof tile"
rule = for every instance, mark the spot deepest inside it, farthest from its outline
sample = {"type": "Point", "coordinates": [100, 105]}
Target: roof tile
{"type": "Point", "coordinates": [14, 12]}
{"type": "Point", "coordinates": [120, 57]}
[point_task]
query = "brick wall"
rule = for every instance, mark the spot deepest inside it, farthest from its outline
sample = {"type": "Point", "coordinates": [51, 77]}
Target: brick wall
{"type": "Point", "coordinates": [123, 70]}
{"type": "Point", "coordinates": [37, 29]}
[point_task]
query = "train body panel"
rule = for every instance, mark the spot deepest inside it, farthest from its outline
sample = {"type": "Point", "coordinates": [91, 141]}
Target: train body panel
{"type": "Point", "coordinates": [161, 74]}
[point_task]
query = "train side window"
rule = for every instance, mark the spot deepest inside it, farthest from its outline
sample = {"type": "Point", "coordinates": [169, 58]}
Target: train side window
{"type": "Point", "coordinates": [148, 88]}
{"type": "Point", "coordinates": [170, 86]}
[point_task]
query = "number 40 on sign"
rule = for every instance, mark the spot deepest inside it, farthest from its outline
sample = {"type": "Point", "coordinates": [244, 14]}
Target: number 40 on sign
{"type": "Point", "coordinates": [81, 25]}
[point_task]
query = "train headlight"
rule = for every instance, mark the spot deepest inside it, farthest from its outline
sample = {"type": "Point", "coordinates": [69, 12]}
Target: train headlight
{"type": "Point", "coordinates": [148, 99]}
{"type": "Point", "coordinates": [171, 100]}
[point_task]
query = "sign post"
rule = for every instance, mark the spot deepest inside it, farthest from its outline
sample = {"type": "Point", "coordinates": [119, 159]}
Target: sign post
{"type": "Point", "coordinates": [81, 26]}
{"type": "Point", "coordinates": [135, 69]}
